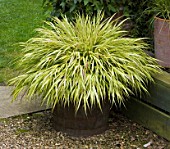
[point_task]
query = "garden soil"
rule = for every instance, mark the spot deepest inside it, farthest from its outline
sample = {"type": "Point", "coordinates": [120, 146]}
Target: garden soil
{"type": "Point", "coordinates": [36, 131]}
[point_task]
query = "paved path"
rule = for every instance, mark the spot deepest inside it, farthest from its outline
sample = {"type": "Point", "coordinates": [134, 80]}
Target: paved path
{"type": "Point", "coordinates": [18, 107]}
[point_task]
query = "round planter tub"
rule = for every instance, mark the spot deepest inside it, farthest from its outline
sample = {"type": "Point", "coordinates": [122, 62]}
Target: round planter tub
{"type": "Point", "coordinates": [80, 124]}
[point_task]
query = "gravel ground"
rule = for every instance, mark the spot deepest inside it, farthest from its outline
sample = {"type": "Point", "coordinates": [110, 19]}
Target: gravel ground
{"type": "Point", "coordinates": [35, 131]}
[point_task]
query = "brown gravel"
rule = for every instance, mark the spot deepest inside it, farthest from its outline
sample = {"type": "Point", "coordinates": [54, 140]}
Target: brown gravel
{"type": "Point", "coordinates": [35, 131]}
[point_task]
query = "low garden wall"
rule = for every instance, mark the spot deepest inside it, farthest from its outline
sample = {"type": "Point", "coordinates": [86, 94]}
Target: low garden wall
{"type": "Point", "coordinates": [153, 111]}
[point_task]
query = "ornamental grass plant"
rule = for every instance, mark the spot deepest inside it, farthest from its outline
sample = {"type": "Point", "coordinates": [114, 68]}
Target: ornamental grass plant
{"type": "Point", "coordinates": [82, 62]}
{"type": "Point", "coordinates": [160, 8]}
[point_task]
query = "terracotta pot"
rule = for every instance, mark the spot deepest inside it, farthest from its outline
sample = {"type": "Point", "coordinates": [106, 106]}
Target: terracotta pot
{"type": "Point", "coordinates": [162, 41]}
{"type": "Point", "coordinates": [95, 122]}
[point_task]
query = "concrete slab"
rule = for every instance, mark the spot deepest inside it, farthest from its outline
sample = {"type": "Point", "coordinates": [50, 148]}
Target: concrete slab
{"type": "Point", "coordinates": [18, 107]}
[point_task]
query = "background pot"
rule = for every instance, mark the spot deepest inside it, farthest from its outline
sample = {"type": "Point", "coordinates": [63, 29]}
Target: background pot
{"type": "Point", "coordinates": [95, 122]}
{"type": "Point", "coordinates": [162, 41]}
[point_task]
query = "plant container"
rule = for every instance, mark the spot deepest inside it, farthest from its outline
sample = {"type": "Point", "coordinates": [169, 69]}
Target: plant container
{"type": "Point", "coordinates": [79, 123]}
{"type": "Point", "coordinates": [162, 41]}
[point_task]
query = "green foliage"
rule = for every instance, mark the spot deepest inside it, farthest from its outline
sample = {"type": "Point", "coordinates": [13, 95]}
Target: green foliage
{"type": "Point", "coordinates": [139, 23]}
{"type": "Point", "coordinates": [160, 8]}
{"type": "Point", "coordinates": [71, 7]}
{"type": "Point", "coordinates": [83, 62]}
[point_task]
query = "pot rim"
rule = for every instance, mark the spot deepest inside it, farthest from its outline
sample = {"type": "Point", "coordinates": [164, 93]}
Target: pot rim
{"type": "Point", "coordinates": [161, 19]}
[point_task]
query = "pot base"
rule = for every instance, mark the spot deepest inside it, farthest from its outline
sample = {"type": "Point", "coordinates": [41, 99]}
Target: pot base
{"type": "Point", "coordinates": [80, 124]}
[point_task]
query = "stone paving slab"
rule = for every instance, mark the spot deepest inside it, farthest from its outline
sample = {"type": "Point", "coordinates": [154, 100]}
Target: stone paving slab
{"type": "Point", "coordinates": [18, 107]}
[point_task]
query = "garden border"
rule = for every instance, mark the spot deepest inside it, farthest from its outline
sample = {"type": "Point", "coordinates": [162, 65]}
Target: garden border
{"type": "Point", "coordinates": [153, 111]}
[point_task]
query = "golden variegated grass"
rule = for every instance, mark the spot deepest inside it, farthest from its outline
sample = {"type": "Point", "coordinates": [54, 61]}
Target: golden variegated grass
{"type": "Point", "coordinates": [83, 62]}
